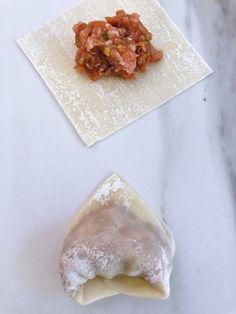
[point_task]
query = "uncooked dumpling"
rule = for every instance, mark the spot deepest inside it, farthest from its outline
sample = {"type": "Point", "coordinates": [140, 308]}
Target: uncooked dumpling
{"type": "Point", "coordinates": [116, 245]}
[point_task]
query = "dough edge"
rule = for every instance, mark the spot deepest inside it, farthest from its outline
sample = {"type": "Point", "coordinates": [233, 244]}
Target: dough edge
{"type": "Point", "coordinates": [99, 288]}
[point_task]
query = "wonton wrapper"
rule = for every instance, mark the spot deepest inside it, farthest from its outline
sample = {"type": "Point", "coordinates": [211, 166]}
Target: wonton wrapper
{"type": "Point", "coordinates": [115, 191]}
{"type": "Point", "coordinates": [98, 109]}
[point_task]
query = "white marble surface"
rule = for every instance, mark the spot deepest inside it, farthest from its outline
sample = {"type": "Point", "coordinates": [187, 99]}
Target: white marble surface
{"type": "Point", "coordinates": [186, 170]}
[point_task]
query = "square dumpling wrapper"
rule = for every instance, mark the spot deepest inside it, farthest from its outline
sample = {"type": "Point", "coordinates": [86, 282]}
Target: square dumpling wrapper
{"type": "Point", "coordinates": [98, 109]}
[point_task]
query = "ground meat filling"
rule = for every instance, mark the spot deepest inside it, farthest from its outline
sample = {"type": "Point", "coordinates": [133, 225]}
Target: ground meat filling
{"type": "Point", "coordinates": [119, 46]}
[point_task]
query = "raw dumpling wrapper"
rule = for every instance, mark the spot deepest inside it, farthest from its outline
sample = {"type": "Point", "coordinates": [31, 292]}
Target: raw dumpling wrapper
{"type": "Point", "coordinates": [101, 108]}
{"type": "Point", "coordinates": [116, 245]}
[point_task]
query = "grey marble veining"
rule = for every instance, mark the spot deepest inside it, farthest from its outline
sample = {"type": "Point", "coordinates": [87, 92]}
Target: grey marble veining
{"type": "Point", "coordinates": [221, 41]}
{"type": "Point", "coordinates": [208, 148]}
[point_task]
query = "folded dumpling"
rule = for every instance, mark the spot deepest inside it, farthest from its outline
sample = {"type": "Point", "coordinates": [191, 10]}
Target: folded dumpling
{"type": "Point", "coordinates": [116, 245]}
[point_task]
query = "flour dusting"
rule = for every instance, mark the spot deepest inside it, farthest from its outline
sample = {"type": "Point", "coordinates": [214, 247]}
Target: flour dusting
{"type": "Point", "coordinates": [111, 185]}
{"type": "Point", "coordinates": [112, 241]}
{"type": "Point", "coordinates": [98, 109]}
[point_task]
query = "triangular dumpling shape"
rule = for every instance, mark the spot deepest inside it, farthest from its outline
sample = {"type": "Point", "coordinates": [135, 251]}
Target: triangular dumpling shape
{"type": "Point", "coordinates": [116, 245]}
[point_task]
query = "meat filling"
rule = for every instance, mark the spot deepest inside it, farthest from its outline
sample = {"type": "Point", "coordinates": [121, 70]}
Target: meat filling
{"type": "Point", "coordinates": [118, 46]}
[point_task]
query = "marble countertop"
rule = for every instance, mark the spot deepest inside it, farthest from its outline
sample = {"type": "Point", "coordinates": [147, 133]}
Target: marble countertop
{"type": "Point", "coordinates": [186, 171]}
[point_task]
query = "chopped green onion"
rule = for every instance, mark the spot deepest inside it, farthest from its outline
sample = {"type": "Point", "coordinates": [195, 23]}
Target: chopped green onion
{"type": "Point", "coordinates": [107, 51]}
{"type": "Point", "coordinates": [105, 36]}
